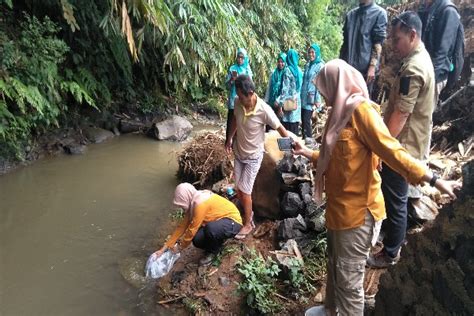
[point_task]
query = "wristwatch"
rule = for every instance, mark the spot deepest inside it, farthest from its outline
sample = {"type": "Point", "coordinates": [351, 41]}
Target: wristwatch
{"type": "Point", "coordinates": [434, 179]}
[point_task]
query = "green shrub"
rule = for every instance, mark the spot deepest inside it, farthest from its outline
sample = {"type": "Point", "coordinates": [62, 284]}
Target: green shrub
{"type": "Point", "coordinates": [258, 283]}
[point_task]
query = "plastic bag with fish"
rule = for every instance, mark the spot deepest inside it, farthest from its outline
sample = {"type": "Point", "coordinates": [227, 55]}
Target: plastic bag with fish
{"type": "Point", "coordinates": [158, 266]}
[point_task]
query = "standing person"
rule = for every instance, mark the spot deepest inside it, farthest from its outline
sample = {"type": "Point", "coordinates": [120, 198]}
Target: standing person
{"type": "Point", "coordinates": [275, 85]}
{"type": "Point", "coordinates": [208, 221]}
{"type": "Point", "coordinates": [310, 97]}
{"type": "Point", "coordinates": [365, 29]}
{"type": "Point", "coordinates": [246, 139]}
{"type": "Point", "coordinates": [409, 119]}
{"type": "Point", "coordinates": [291, 87]}
{"type": "Point", "coordinates": [346, 167]}
{"type": "Point", "coordinates": [241, 66]}
{"type": "Point", "coordinates": [442, 33]}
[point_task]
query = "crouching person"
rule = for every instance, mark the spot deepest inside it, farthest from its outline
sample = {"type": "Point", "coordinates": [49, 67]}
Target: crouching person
{"type": "Point", "coordinates": [209, 220]}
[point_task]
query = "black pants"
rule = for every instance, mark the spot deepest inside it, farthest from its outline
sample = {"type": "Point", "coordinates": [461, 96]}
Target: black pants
{"type": "Point", "coordinates": [306, 126]}
{"type": "Point", "coordinates": [212, 236]}
{"type": "Point", "coordinates": [292, 127]}
{"type": "Point", "coordinates": [230, 115]}
{"type": "Point", "coordinates": [395, 193]}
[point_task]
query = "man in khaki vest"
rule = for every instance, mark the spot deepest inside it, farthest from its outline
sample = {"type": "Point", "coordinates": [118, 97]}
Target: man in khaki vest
{"type": "Point", "coordinates": [409, 119]}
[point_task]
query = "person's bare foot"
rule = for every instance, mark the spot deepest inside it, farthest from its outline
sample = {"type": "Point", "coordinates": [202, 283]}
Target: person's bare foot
{"type": "Point", "coordinates": [244, 231]}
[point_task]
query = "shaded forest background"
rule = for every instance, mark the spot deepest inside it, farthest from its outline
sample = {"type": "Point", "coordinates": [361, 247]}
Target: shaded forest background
{"type": "Point", "coordinates": [61, 60]}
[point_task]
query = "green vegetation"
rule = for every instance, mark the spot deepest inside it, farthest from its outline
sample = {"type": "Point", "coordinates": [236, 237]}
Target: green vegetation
{"type": "Point", "coordinates": [63, 59]}
{"type": "Point", "coordinates": [177, 215]}
{"type": "Point", "coordinates": [227, 250]}
{"type": "Point", "coordinates": [258, 283]}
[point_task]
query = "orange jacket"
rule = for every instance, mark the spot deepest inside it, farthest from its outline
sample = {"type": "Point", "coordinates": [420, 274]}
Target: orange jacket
{"type": "Point", "coordinates": [352, 182]}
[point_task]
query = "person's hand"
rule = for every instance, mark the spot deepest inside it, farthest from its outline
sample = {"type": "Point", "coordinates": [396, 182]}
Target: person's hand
{"type": "Point", "coordinates": [159, 252]}
{"type": "Point", "coordinates": [176, 249]}
{"type": "Point", "coordinates": [228, 146]}
{"type": "Point", "coordinates": [280, 112]}
{"type": "Point", "coordinates": [299, 148]}
{"type": "Point", "coordinates": [371, 74]}
{"type": "Point", "coordinates": [448, 187]}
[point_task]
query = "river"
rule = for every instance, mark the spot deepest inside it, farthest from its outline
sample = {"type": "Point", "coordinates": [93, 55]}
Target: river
{"type": "Point", "coordinates": [66, 224]}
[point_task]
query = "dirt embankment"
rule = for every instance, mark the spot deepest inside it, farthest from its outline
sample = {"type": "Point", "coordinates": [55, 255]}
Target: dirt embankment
{"type": "Point", "coordinates": [436, 273]}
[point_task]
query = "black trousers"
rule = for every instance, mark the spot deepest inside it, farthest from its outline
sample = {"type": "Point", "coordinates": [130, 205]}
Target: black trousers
{"type": "Point", "coordinates": [395, 194]}
{"type": "Point", "coordinates": [212, 236]}
{"type": "Point", "coordinates": [292, 127]}
{"type": "Point", "coordinates": [306, 126]}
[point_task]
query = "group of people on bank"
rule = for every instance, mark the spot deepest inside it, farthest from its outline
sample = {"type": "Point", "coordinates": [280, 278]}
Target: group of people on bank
{"type": "Point", "coordinates": [365, 161]}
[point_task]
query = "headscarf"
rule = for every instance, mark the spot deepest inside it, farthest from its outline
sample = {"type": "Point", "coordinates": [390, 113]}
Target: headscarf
{"type": "Point", "coordinates": [317, 52]}
{"type": "Point", "coordinates": [292, 63]}
{"type": "Point", "coordinates": [187, 197]}
{"type": "Point", "coordinates": [276, 80]}
{"type": "Point", "coordinates": [241, 68]}
{"type": "Point", "coordinates": [344, 89]}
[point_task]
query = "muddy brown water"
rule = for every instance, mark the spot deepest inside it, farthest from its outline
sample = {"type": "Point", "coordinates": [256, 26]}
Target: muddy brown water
{"type": "Point", "coordinates": [68, 224]}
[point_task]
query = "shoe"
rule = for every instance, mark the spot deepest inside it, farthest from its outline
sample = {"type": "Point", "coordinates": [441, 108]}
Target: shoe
{"type": "Point", "coordinates": [382, 260]}
{"type": "Point", "coordinates": [316, 311]}
{"type": "Point", "coordinates": [207, 260]}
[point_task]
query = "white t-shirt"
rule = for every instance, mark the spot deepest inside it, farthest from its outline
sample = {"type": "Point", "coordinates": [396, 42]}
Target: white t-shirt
{"type": "Point", "coordinates": [250, 136]}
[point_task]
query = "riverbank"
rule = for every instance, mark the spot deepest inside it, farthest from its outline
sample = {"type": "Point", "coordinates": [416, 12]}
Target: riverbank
{"type": "Point", "coordinates": [74, 137]}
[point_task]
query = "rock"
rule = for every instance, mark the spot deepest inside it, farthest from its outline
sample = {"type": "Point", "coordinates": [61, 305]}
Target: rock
{"type": "Point", "coordinates": [176, 129]}
{"type": "Point", "coordinates": [116, 131]}
{"type": "Point", "coordinates": [468, 178]}
{"type": "Point", "coordinates": [300, 224]}
{"type": "Point", "coordinates": [286, 163]}
{"type": "Point", "coordinates": [289, 178]}
{"type": "Point", "coordinates": [291, 205]}
{"type": "Point", "coordinates": [223, 281]}
{"type": "Point", "coordinates": [313, 209]}
{"type": "Point", "coordinates": [317, 222]}
{"type": "Point", "coordinates": [289, 251]}
{"type": "Point", "coordinates": [74, 149]}
{"type": "Point", "coordinates": [287, 231]}
{"type": "Point", "coordinates": [305, 191]}
{"type": "Point", "coordinates": [423, 209]}
{"type": "Point", "coordinates": [96, 135]}
{"type": "Point", "coordinates": [300, 165]}
{"type": "Point", "coordinates": [266, 190]}
{"type": "Point", "coordinates": [131, 126]}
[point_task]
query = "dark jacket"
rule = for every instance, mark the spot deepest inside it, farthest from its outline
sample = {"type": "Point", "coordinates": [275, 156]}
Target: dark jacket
{"type": "Point", "coordinates": [363, 27]}
{"type": "Point", "coordinates": [440, 25]}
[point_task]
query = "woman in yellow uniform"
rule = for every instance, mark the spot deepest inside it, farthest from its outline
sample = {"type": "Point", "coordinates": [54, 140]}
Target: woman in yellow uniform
{"type": "Point", "coordinates": [346, 169]}
{"type": "Point", "coordinates": [209, 220]}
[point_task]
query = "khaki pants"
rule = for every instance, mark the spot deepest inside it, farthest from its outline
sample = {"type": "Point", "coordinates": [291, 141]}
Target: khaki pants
{"type": "Point", "coordinates": [347, 255]}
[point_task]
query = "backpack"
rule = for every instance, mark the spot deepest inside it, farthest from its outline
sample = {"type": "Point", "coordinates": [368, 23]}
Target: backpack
{"type": "Point", "coordinates": [456, 52]}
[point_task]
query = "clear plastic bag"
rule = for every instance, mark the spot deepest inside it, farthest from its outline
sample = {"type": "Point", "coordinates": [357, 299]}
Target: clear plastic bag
{"type": "Point", "coordinates": [158, 266]}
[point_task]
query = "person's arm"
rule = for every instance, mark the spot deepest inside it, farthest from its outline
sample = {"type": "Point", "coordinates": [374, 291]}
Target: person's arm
{"type": "Point", "coordinates": [374, 61]}
{"type": "Point", "coordinates": [196, 222]}
{"type": "Point", "coordinates": [397, 121]}
{"type": "Point", "coordinates": [375, 135]}
{"type": "Point", "coordinates": [230, 137]}
{"type": "Point", "coordinates": [446, 32]}
{"type": "Point", "coordinates": [178, 232]}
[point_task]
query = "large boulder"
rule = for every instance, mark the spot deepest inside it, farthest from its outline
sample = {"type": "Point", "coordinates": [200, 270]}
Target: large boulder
{"type": "Point", "coordinates": [96, 135]}
{"type": "Point", "coordinates": [266, 190]}
{"type": "Point", "coordinates": [175, 128]}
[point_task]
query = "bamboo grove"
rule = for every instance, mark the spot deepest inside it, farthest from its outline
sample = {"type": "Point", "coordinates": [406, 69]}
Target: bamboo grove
{"type": "Point", "coordinates": [62, 57]}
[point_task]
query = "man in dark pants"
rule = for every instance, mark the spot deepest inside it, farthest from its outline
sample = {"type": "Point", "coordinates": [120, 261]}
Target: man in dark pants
{"type": "Point", "coordinates": [365, 29]}
{"type": "Point", "coordinates": [409, 118]}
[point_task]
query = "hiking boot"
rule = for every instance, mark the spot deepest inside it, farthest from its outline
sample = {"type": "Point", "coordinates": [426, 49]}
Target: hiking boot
{"type": "Point", "coordinates": [207, 260]}
{"type": "Point", "coordinates": [381, 260]}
